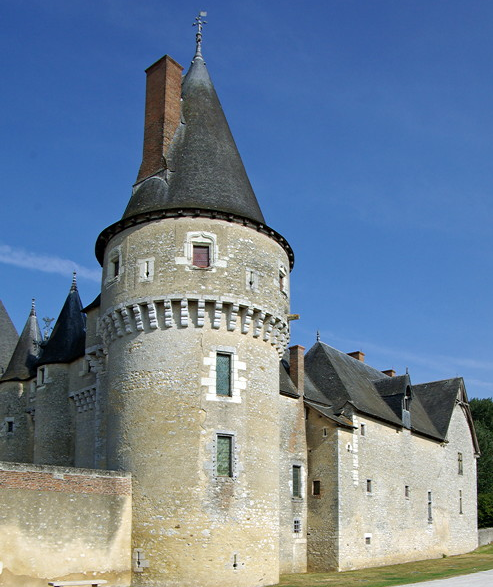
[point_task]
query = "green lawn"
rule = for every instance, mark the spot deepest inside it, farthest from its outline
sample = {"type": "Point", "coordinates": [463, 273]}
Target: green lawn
{"type": "Point", "coordinates": [427, 570]}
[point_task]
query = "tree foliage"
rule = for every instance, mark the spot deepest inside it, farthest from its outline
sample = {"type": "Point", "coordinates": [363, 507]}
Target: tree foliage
{"type": "Point", "coordinates": [482, 413]}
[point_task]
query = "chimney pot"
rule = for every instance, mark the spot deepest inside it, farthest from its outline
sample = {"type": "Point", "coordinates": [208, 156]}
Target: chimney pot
{"type": "Point", "coordinates": [358, 355]}
{"type": "Point", "coordinates": [389, 372]}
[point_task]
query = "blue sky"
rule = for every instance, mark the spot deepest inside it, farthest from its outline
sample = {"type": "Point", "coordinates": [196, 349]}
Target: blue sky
{"type": "Point", "coordinates": [365, 127]}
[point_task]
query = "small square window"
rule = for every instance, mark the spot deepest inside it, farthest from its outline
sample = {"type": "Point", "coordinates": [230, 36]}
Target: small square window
{"type": "Point", "coordinates": [296, 481]}
{"type": "Point", "coordinates": [223, 374]}
{"type": "Point", "coordinates": [367, 539]}
{"type": "Point", "coordinates": [224, 466]}
{"type": "Point", "coordinates": [316, 487]}
{"type": "Point", "coordinates": [296, 525]}
{"type": "Point", "coordinates": [201, 256]}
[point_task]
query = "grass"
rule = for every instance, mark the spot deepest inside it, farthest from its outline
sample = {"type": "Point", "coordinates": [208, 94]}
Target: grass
{"type": "Point", "coordinates": [427, 570]}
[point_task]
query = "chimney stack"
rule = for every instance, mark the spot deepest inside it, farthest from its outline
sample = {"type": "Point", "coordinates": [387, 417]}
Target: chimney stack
{"type": "Point", "coordinates": [297, 367]}
{"type": "Point", "coordinates": [358, 355]}
{"type": "Point", "coordinates": [389, 372]}
{"type": "Point", "coordinates": [162, 114]}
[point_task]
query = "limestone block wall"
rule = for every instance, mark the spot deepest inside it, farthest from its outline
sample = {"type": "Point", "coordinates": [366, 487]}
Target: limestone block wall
{"type": "Point", "coordinates": [323, 516]}
{"type": "Point", "coordinates": [16, 421]}
{"type": "Point", "coordinates": [63, 523]}
{"type": "Point", "coordinates": [163, 322]}
{"type": "Point", "coordinates": [293, 517]}
{"type": "Point", "coordinates": [401, 496]}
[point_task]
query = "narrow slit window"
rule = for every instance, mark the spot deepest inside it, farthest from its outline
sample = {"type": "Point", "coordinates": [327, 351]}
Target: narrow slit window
{"type": "Point", "coordinates": [407, 492]}
{"type": "Point", "coordinates": [201, 256]}
{"type": "Point", "coordinates": [460, 463]}
{"type": "Point", "coordinates": [430, 507]}
{"type": "Point", "coordinates": [368, 486]}
{"type": "Point", "coordinates": [296, 481]}
{"type": "Point", "coordinates": [316, 487]}
{"type": "Point", "coordinates": [363, 429]}
{"type": "Point", "coordinates": [224, 455]}
{"type": "Point", "coordinates": [460, 501]}
{"type": "Point", "coordinates": [223, 374]}
{"type": "Point", "coordinates": [10, 426]}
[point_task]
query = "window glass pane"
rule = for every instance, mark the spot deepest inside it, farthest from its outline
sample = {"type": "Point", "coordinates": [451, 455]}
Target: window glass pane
{"type": "Point", "coordinates": [201, 256]}
{"type": "Point", "coordinates": [223, 374]}
{"type": "Point", "coordinates": [224, 454]}
{"type": "Point", "coordinates": [296, 481]}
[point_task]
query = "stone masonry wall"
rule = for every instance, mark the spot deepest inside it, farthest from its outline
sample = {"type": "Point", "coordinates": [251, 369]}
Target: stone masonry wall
{"type": "Point", "coordinates": [63, 523]}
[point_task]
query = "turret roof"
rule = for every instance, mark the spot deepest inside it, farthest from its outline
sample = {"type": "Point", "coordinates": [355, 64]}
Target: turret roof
{"type": "Point", "coordinates": [22, 364]}
{"type": "Point", "coordinates": [67, 341]}
{"type": "Point", "coordinates": [205, 170]}
{"type": "Point", "coordinates": [8, 338]}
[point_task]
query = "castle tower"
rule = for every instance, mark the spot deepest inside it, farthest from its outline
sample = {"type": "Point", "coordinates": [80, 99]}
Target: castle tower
{"type": "Point", "coordinates": [15, 388]}
{"type": "Point", "coordinates": [194, 319]}
{"type": "Point", "coordinates": [57, 369]}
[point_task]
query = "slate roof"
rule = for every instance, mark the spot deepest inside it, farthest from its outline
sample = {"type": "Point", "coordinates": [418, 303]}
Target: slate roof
{"type": "Point", "coordinates": [22, 365]}
{"type": "Point", "coordinates": [334, 379]}
{"type": "Point", "coordinates": [67, 341]}
{"type": "Point", "coordinates": [205, 170]}
{"type": "Point", "coordinates": [8, 338]}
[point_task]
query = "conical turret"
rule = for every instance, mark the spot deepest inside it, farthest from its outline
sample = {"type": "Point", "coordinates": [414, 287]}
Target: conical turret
{"type": "Point", "coordinates": [8, 338]}
{"type": "Point", "coordinates": [67, 341]}
{"type": "Point", "coordinates": [22, 364]}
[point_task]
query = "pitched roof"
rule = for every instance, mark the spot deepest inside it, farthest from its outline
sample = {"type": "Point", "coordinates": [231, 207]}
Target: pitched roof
{"type": "Point", "coordinates": [67, 341]}
{"type": "Point", "coordinates": [438, 398]}
{"type": "Point", "coordinates": [22, 364]}
{"type": "Point", "coordinates": [205, 170]}
{"type": "Point", "coordinates": [342, 379]}
{"type": "Point", "coordinates": [8, 338]}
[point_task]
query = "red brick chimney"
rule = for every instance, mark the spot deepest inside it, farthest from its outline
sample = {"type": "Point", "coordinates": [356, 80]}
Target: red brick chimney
{"type": "Point", "coordinates": [358, 355]}
{"type": "Point", "coordinates": [162, 113]}
{"type": "Point", "coordinates": [297, 366]}
{"type": "Point", "coordinates": [389, 372]}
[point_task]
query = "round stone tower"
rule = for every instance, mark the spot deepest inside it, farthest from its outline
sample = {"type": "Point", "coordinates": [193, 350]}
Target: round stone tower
{"type": "Point", "coordinates": [194, 319]}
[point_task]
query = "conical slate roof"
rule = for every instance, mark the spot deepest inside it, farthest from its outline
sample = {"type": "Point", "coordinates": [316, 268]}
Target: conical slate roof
{"type": "Point", "coordinates": [23, 361]}
{"type": "Point", "coordinates": [205, 170]}
{"type": "Point", "coordinates": [67, 341]}
{"type": "Point", "coordinates": [8, 338]}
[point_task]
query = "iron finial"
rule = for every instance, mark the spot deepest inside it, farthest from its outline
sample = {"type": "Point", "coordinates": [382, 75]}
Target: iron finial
{"type": "Point", "coordinates": [199, 23]}
{"type": "Point", "coordinates": [74, 281]}
{"type": "Point", "coordinates": [318, 335]}
{"type": "Point", "coordinates": [33, 307]}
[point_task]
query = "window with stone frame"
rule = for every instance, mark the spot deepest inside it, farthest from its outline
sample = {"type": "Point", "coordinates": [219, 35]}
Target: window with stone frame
{"type": "Point", "coordinates": [296, 478]}
{"type": "Point", "coordinates": [201, 255]}
{"type": "Point", "coordinates": [224, 455]}
{"type": "Point", "coordinates": [223, 373]}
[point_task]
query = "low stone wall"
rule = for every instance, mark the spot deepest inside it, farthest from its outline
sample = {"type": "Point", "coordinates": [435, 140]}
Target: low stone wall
{"type": "Point", "coordinates": [63, 523]}
{"type": "Point", "coordinates": [485, 536]}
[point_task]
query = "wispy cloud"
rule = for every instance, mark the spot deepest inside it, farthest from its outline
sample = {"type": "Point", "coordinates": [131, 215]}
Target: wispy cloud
{"type": "Point", "coordinates": [47, 264]}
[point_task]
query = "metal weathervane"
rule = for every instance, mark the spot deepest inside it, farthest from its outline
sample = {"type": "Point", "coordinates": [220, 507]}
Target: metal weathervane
{"type": "Point", "coordinates": [199, 23]}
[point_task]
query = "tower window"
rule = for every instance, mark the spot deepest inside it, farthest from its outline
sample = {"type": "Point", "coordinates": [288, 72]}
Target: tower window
{"type": "Point", "coordinates": [146, 269]}
{"type": "Point", "coordinates": [316, 487]}
{"type": "Point", "coordinates": [9, 424]}
{"type": "Point", "coordinates": [430, 507]}
{"type": "Point", "coordinates": [460, 463]}
{"type": "Point", "coordinates": [114, 265]}
{"type": "Point", "coordinates": [223, 374]}
{"type": "Point", "coordinates": [296, 481]}
{"type": "Point", "coordinates": [460, 501]}
{"type": "Point", "coordinates": [363, 429]}
{"type": "Point", "coordinates": [224, 465]}
{"type": "Point", "coordinates": [407, 492]}
{"type": "Point", "coordinates": [368, 486]}
{"type": "Point", "coordinates": [201, 256]}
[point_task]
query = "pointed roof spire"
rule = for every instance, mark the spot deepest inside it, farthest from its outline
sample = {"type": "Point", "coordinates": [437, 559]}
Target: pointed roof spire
{"type": "Point", "coordinates": [198, 36]}
{"type": "Point", "coordinates": [8, 338]}
{"type": "Point", "coordinates": [22, 365]}
{"type": "Point", "coordinates": [68, 338]}
{"type": "Point", "coordinates": [33, 307]}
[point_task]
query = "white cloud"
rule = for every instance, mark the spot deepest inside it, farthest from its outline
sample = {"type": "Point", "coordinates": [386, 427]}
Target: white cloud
{"type": "Point", "coordinates": [21, 258]}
